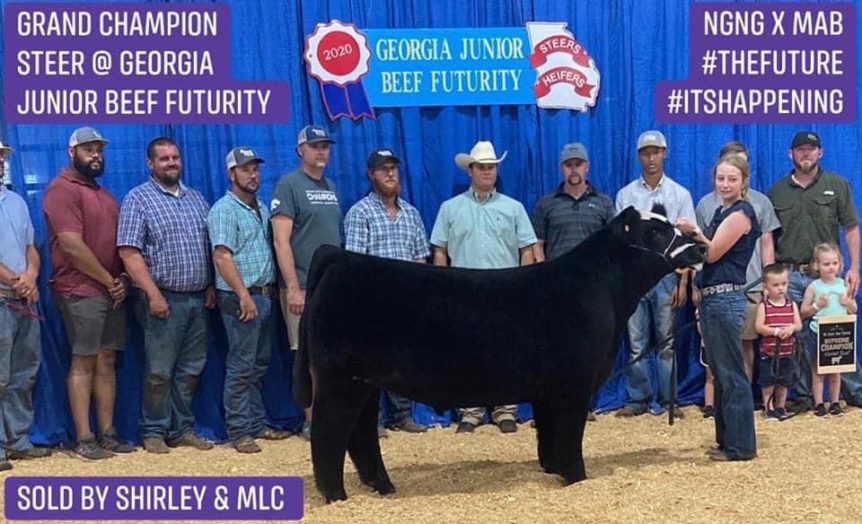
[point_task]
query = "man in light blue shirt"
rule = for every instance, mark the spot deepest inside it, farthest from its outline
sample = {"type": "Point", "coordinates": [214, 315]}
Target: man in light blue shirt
{"type": "Point", "coordinates": [483, 229]}
{"type": "Point", "coordinates": [654, 191]}
{"type": "Point", "coordinates": [20, 349]}
{"type": "Point", "coordinates": [238, 226]}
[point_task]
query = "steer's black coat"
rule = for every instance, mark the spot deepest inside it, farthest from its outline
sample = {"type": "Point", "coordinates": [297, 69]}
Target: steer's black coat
{"type": "Point", "coordinates": [449, 337]}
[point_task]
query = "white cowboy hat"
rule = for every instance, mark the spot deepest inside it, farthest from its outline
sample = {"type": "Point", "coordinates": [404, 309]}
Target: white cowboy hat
{"type": "Point", "coordinates": [6, 150]}
{"type": "Point", "coordinates": [482, 153]}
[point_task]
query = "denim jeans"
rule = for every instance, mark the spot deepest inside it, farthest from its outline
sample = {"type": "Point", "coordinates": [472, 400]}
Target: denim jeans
{"type": "Point", "coordinates": [397, 409]}
{"type": "Point", "coordinates": [250, 346]}
{"type": "Point", "coordinates": [721, 317]}
{"type": "Point", "coordinates": [175, 351]}
{"type": "Point", "coordinates": [20, 355]}
{"type": "Point", "coordinates": [653, 320]}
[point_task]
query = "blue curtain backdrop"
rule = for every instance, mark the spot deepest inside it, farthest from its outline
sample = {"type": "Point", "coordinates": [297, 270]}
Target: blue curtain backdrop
{"type": "Point", "coordinates": [634, 43]}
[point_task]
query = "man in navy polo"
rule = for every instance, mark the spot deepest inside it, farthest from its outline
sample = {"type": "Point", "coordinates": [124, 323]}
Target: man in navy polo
{"type": "Point", "coordinates": [20, 349]}
{"type": "Point", "coordinates": [163, 242]}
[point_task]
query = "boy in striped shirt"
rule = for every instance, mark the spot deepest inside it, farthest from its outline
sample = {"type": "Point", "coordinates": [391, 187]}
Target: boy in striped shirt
{"type": "Point", "coordinates": [776, 322]}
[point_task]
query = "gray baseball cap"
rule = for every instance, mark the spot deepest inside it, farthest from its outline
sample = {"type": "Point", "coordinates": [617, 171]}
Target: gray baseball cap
{"type": "Point", "coordinates": [651, 138]}
{"type": "Point", "coordinates": [85, 135]}
{"type": "Point", "coordinates": [576, 150]}
{"type": "Point", "coordinates": [240, 156]}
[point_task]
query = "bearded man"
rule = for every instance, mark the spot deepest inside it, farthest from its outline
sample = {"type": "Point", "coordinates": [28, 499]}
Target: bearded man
{"type": "Point", "coordinates": [89, 288]}
{"type": "Point", "coordinates": [383, 224]}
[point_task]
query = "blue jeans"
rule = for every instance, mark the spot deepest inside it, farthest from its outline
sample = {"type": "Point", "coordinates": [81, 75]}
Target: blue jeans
{"type": "Point", "coordinates": [397, 409]}
{"type": "Point", "coordinates": [247, 359]}
{"type": "Point", "coordinates": [654, 320]}
{"type": "Point", "coordinates": [721, 317]}
{"type": "Point", "coordinates": [20, 355]}
{"type": "Point", "coordinates": [175, 354]}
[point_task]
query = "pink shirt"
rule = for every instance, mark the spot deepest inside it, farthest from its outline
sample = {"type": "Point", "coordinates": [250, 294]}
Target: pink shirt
{"type": "Point", "coordinates": [71, 204]}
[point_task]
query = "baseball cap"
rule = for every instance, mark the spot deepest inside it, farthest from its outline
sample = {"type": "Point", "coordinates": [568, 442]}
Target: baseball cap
{"type": "Point", "coordinates": [805, 138]}
{"type": "Point", "coordinates": [380, 157]}
{"type": "Point", "coordinates": [6, 150]}
{"type": "Point", "coordinates": [85, 135]}
{"type": "Point", "coordinates": [240, 156]}
{"type": "Point", "coordinates": [313, 134]}
{"type": "Point", "coordinates": [651, 138]}
{"type": "Point", "coordinates": [576, 150]}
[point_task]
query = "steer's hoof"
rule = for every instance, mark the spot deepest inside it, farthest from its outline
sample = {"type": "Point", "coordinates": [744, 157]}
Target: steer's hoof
{"type": "Point", "coordinates": [571, 478]}
{"type": "Point", "coordinates": [335, 496]}
{"type": "Point", "coordinates": [385, 488]}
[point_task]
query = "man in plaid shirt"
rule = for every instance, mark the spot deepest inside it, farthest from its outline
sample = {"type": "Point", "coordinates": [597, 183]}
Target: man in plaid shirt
{"type": "Point", "coordinates": [383, 224]}
{"type": "Point", "coordinates": [162, 238]}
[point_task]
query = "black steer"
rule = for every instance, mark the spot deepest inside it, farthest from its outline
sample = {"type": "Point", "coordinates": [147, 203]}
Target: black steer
{"type": "Point", "coordinates": [449, 337]}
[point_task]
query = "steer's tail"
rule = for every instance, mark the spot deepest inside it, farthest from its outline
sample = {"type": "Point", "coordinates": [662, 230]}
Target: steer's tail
{"type": "Point", "coordinates": [323, 257]}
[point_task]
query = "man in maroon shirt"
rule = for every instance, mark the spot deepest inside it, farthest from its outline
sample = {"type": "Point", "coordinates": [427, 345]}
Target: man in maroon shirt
{"type": "Point", "coordinates": [89, 288]}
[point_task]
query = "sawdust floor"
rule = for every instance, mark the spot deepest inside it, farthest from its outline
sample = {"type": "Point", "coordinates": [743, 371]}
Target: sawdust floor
{"type": "Point", "coordinates": [639, 470]}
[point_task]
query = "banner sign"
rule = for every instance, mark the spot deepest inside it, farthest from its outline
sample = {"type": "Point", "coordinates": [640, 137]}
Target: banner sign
{"type": "Point", "coordinates": [542, 64]}
{"type": "Point", "coordinates": [836, 344]}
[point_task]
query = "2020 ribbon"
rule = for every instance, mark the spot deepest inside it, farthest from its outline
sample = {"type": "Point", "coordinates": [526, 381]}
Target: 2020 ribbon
{"type": "Point", "coordinates": [337, 55]}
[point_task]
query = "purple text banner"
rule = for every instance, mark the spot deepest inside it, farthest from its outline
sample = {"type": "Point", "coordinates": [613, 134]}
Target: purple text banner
{"type": "Point", "coordinates": [766, 63]}
{"type": "Point", "coordinates": [153, 498]}
{"type": "Point", "coordinates": [129, 64]}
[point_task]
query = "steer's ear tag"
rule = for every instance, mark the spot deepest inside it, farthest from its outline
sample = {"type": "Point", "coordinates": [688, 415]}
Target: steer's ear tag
{"type": "Point", "coordinates": [626, 227]}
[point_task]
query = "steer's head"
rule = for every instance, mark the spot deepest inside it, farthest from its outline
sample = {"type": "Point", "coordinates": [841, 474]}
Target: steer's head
{"type": "Point", "coordinates": [654, 233]}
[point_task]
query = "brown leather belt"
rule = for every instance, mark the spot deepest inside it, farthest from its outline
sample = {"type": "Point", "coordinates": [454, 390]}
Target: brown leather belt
{"type": "Point", "coordinates": [267, 290]}
{"type": "Point", "coordinates": [10, 293]}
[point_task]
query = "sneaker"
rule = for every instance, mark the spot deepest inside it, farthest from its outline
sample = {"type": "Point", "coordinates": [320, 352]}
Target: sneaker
{"type": "Point", "coordinates": [5, 465]}
{"type": "Point", "coordinates": [246, 444]}
{"type": "Point", "coordinates": [781, 413]}
{"type": "Point", "coordinates": [507, 426]}
{"type": "Point", "coordinates": [111, 442]}
{"type": "Point", "coordinates": [274, 434]}
{"type": "Point", "coordinates": [821, 411]}
{"type": "Point", "coordinates": [381, 432]}
{"type": "Point", "coordinates": [721, 456]}
{"type": "Point", "coordinates": [27, 454]}
{"type": "Point", "coordinates": [156, 445]}
{"type": "Point", "coordinates": [630, 411]}
{"type": "Point", "coordinates": [306, 431]}
{"type": "Point", "coordinates": [192, 440]}
{"type": "Point", "coordinates": [835, 410]}
{"type": "Point", "coordinates": [89, 449]}
{"type": "Point", "coordinates": [408, 426]}
{"type": "Point", "coordinates": [708, 412]}
{"type": "Point", "coordinates": [465, 427]}
{"type": "Point", "coordinates": [770, 416]}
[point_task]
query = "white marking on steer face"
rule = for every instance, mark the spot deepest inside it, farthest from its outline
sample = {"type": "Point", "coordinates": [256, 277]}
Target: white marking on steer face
{"type": "Point", "coordinates": [648, 215]}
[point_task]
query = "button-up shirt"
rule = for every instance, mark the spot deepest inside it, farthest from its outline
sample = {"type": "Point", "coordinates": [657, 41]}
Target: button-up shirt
{"type": "Point", "coordinates": [171, 232]}
{"type": "Point", "coordinates": [675, 198]}
{"type": "Point", "coordinates": [486, 234]}
{"type": "Point", "coordinates": [16, 231]}
{"type": "Point", "coordinates": [245, 232]}
{"type": "Point", "coordinates": [370, 229]}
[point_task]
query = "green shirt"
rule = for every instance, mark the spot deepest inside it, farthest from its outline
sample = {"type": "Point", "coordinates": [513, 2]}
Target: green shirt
{"type": "Point", "coordinates": [810, 215]}
{"type": "Point", "coordinates": [483, 235]}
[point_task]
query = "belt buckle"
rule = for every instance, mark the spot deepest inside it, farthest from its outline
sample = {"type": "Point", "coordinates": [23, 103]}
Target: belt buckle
{"type": "Point", "coordinates": [266, 290]}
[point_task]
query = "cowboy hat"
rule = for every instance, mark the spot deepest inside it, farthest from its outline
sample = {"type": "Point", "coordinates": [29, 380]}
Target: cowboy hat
{"type": "Point", "coordinates": [482, 153]}
{"type": "Point", "coordinates": [6, 150]}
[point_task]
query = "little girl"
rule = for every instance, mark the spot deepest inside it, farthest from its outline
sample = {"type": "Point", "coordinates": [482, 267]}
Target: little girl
{"type": "Point", "coordinates": [826, 296]}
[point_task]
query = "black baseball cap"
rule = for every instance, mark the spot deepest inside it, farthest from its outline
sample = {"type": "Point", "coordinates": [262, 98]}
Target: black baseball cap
{"type": "Point", "coordinates": [380, 157]}
{"type": "Point", "coordinates": [805, 138]}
